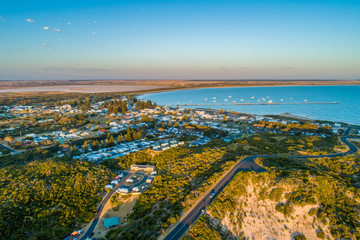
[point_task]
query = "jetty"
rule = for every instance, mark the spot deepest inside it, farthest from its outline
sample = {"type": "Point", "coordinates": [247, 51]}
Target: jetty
{"type": "Point", "coordinates": [260, 103]}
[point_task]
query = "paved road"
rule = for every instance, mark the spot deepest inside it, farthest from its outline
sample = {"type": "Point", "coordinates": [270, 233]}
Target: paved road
{"type": "Point", "coordinates": [245, 164]}
{"type": "Point", "coordinates": [12, 151]}
{"type": "Point", "coordinates": [101, 207]}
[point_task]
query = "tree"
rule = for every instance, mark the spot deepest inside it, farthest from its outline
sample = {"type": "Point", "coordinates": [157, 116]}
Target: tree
{"type": "Point", "coordinates": [110, 141]}
{"type": "Point", "coordinates": [120, 138]}
{"type": "Point", "coordinates": [128, 136]}
{"type": "Point", "coordinates": [9, 139]}
{"type": "Point", "coordinates": [139, 135]}
{"type": "Point", "coordinates": [95, 145]}
{"type": "Point", "coordinates": [137, 108]}
{"type": "Point", "coordinates": [85, 146]}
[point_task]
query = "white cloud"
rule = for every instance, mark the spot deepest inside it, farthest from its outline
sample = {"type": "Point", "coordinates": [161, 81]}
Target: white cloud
{"type": "Point", "coordinates": [30, 20]}
{"type": "Point", "coordinates": [57, 30]}
{"type": "Point", "coordinates": [46, 28]}
{"type": "Point", "coordinates": [69, 23]}
{"type": "Point", "coordinates": [93, 33]}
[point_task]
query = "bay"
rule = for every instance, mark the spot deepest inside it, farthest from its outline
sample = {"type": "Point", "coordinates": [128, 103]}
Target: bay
{"type": "Point", "coordinates": [347, 110]}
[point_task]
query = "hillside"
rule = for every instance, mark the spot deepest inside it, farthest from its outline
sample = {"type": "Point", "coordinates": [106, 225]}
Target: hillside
{"type": "Point", "coordinates": [302, 199]}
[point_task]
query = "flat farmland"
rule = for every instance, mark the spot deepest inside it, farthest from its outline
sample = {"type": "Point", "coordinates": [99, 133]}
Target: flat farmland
{"type": "Point", "coordinates": [82, 88]}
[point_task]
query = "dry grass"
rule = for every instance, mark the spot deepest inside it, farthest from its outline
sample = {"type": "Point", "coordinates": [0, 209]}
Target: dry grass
{"type": "Point", "coordinates": [109, 212]}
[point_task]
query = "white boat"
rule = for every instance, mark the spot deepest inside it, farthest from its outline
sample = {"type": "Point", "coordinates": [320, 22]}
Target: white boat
{"type": "Point", "coordinates": [281, 99]}
{"type": "Point", "coordinates": [225, 100]}
{"type": "Point", "coordinates": [214, 97]}
{"type": "Point", "coordinates": [242, 100]}
{"type": "Point", "coordinates": [291, 98]}
{"type": "Point", "coordinates": [252, 97]}
{"type": "Point", "coordinates": [229, 96]}
{"type": "Point", "coordinates": [205, 99]}
{"type": "Point", "coordinates": [234, 101]}
{"type": "Point", "coordinates": [214, 101]}
{"type": "Point", "coordinates": [270, 101]}
{"type": "Point", "coordinates": [305, 100]}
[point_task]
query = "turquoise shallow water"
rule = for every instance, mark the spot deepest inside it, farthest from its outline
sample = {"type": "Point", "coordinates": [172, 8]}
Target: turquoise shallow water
{"type": "Point", "coordinates": [348, 109]}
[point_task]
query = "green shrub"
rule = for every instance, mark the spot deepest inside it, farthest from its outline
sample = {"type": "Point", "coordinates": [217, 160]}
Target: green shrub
{"type": "Point", "coordinates": [313, 211]}
{"type": "Point", "coordinates": [300, 237]}
{"type": "Point", "coordinates": [321, 235]}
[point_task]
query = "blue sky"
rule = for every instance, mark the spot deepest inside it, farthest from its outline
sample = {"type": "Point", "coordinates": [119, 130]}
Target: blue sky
{"type": "Point", "coordinates": [149, 39]}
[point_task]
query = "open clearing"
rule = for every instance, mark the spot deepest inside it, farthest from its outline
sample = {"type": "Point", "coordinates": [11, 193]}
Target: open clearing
{"type": "Point", "coordinates": [108, 212]}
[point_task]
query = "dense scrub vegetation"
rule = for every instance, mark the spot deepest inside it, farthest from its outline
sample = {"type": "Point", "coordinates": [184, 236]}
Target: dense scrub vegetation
{"type": "Point", "coordinates": [293, 127]}
{"type": "Point", "coordinates": [56, 99]}
{"type": "Point", "coordinates": [184, 174]}
{"type": "Point", "coordinates": [277, 144]}
{"type": "Point", "coordinates": [48, 199]}
{"type": "Point", "coordinates": [328, 186]}
{"type": "Point", "coordinates": [205, 229]}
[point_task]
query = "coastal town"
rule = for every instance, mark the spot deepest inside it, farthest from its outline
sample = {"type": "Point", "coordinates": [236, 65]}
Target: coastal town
{"type": "Point", "coordinates": [157, 128]}
{"type": "Point", "coordinates": [180, 120]}
{"type": "Point", "coordinates": [110, 132]}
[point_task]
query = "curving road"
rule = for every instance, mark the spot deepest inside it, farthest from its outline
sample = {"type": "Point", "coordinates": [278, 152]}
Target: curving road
{"type": "Point", "coordinates": [245, 164]}
{"type": "Point", "coordinates": [95, 221]}
{"type": "Point", "coordinates": [12, 151]}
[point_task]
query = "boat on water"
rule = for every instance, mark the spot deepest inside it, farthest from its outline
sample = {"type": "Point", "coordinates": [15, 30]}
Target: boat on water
{"type": "Point", "coordinates": [205, 99]}
{"type": "Point", "coordinates": [252, 97]}
{"type": "Point", "coordinates": [305, 100]}
{"type": "Point", "coordinates": [270, 101]}
{"type": "Point", "coordinates": [214, 101]}
{"type": "Point", "coordinates": [242, 100]}
{"type": "Point", "coordinates": [225, 100]}
{"type": "Point", "coordinates": [229, 96]}
{"type": "Point", "coordinates": [234, 101]}
{"type": "Point", "coordinates": [281, 99]}
{"type": "Point", "coordinates": [214, 97]}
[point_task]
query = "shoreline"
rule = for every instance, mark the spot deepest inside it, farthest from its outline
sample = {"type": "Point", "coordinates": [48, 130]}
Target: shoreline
{"type": "Point", "coordinates": [245, 86]}
{"type": "Point", "coordinates": [288, 116]}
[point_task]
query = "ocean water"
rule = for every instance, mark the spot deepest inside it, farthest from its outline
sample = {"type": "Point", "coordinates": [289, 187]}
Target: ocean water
{"type": "Point", "coordinates": [348, 109]}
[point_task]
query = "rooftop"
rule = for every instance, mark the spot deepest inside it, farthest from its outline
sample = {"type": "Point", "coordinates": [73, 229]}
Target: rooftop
{"type": "Point", "coordinates": [110, 222]}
